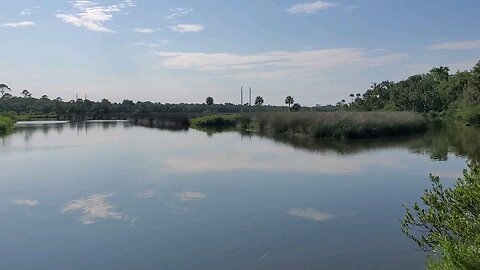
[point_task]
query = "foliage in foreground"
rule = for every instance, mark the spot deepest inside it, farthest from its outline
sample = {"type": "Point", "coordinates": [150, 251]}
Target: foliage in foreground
{"type": "Point", "coordinates": [347, 125]}
{"type": "Point", "coordinates": [448, 226]}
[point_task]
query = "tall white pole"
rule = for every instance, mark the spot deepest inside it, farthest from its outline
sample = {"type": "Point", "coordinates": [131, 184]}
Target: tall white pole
{"type": "Point", "coordinates": [241, 99]}
{"type": "Point", "coordinates": [250, 99]}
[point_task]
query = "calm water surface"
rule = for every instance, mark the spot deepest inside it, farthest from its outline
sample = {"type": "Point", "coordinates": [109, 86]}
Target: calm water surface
{"type": "Point", "coordinates": [109, 195]}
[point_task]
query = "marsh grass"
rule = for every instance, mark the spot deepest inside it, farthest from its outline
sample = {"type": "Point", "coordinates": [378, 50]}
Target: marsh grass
{"type": "Point", "coordinates": [347, 125]}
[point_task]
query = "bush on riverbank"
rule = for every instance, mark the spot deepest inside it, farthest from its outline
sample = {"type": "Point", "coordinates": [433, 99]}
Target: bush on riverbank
{"type": "Point", "coordinates": [228, 120]}
{"type": "Point", "coordinates": [447, 223]}
{"type": "Point", "coordinates": [6, 123]}
{"type": "Point", "coordinates": [346, 125]}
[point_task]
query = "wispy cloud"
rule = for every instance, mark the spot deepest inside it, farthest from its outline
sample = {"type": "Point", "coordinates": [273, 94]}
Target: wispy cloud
{"type": "Point", "coordinates": [18, 24]}
{"type": "Point", "coordinates": [311, 7]}
{"type": "Point", "coordinates": [93, 16]}
{"type": "Point", "coordinates": [26, 11]}
{"type": "Point", "coordinates": [186, 28]}
{"type": "Point", "coordinates": [310, 213]}
{"type": "Point", "coordinates": [191, 196]}
{"type": "Point", "coordinates": [278, 62]}
{"type": "Point", "coordinates": [460, 45]}
{"type": "Point", "coordinates": [159, 44]}
{"type": "Point", "coordinates": [144, 30]}
{"type": "Point", "coordinates": [24, 202]}
{"type": "Point", "coordinates": [178, 12]}
{"type": "Point", "coordinates": [94, 207]}
{"type": "Point", "coordinates": [352, 7]}
{"type": "Point", "coordinates": [130, 3]}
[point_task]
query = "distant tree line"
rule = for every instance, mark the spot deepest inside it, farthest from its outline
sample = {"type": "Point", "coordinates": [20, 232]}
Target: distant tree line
{"type": "Point", "coordinates": [439, 92]}
{"type": "Point", "coordinates": [26, 104]}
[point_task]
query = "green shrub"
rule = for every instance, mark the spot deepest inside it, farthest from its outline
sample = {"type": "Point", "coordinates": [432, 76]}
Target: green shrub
{"type": "Point", "coordinates": [215, 120]}
{"type": "Point", "coordinates": [448, 224]}
{"type": "Point", "coordinates": [6, 123]}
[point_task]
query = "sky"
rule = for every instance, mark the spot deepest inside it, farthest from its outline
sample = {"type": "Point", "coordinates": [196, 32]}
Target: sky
{"type": "Point", "coordinates": [185, 50]}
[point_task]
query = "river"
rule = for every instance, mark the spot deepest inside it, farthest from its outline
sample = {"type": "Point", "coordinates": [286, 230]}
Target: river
{"type": "Point", "coordinates": [111, 195]}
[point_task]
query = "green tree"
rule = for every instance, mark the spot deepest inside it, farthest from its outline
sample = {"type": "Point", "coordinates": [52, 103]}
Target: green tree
{"type": "Point", "coordinates": [26, 93]}
{"type": "Point", "coordinates": [447, 226]}
{"type": "Point", "coordinates": [295, 108]}
{"type": "Point", "coordinates": [289, 101]}
{"type": "Point", "coordinates": [472, 93]}
{"type": "Point", "coordinates": [4, 89]}
{"type": "Point", "coordinates": [209, 101]}
{"type": "Point", "coordinates": [259, 101]}
{"type": "Point", "coordinates": [440, 73]}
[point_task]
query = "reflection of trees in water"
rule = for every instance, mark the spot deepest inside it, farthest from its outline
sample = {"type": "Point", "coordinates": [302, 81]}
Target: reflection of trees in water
{"type": "Point", "coordinates": [438, 142]}
{"type": "Point", "coordinates": [80, 127]}
{"type": "Point", "coordinates": [167, 122]}
{"type": "Point", "coordinates": [458, 139]}
{"type": "Point", "coordinates": [343, 147]}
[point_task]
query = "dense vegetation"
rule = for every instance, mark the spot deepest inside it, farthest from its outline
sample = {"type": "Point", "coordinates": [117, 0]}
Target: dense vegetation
{"type": "Point", "coordinates": [321, 125]}
{"type": "Point", "coordinates": [8, 120]}
{"type": "Point", "coordinates": [6, 123]}
{"type": "Point", "coordinates": [346, 125]}
{"type": "Point", "coordinates": [448, 226]}
{"type": "Point", "coordinates": [215, 120]}
{"type": "Point", "coordinates": [455, 96]}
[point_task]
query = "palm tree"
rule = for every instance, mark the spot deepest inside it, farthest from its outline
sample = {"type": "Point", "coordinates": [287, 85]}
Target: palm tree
{"type": "Point", "coordinates": [259, 101]}
{"type": "Point", "coordinates": [289, 101]}
{"type": "Point", "coordinates": [26, 93]}
{"type": "Point", "coordinates": [351, 96]}
{"type": "Point", "coordinates": [209, 101]}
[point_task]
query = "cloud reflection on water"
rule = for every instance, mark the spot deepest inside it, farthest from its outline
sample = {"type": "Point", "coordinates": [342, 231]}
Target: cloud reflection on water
{"type": "Point", "coordinates": [310, 213]}
{"type": "Point", "coordinates": [191, 196]}
{"type": "Point", "coordinates": [24, 202]}
{"type": "Point", "coordinates": [147, 194]}
{"type": "Point", "coordinates": [94, 207]}
{"type": "Point", "coordinates": [276, 158]}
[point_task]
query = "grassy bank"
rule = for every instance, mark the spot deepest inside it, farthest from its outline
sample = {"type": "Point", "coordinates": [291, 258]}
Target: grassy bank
{"type": "Point", "coordinates": [342, 125]}
{"type": "Point", "coordinates": [227, 120]}
{"type": "Point", "coordinates": [315, 125]}
{"type": "Point", "coordinates": [6, 124]}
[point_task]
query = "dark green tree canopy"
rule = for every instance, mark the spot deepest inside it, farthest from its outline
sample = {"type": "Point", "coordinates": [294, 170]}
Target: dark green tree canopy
{"type": "Point", "coordinates": [296, 107]}
{"type": "Point", "coordinates": [209, 101]}
{"type": "Point", "coordinates": [4, 89]}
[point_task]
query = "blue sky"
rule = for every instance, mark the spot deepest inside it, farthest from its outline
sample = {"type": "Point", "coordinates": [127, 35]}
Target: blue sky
{"type": "Point", "coordinates": [183, 51]}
